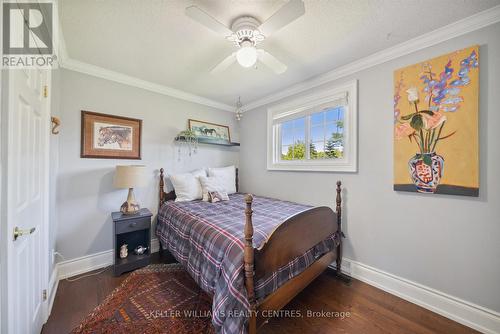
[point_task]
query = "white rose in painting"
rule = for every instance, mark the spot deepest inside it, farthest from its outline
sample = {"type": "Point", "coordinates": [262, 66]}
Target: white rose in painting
{"type": "Point", "coordinates": [412, 94]}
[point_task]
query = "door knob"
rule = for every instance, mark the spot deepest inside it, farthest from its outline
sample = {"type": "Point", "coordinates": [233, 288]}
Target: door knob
{"type": "Point", "coordinates": [18, 232]}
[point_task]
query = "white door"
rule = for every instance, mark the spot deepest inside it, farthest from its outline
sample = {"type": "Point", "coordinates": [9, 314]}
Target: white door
{"type": "Point", "coordinates": [27, 200]}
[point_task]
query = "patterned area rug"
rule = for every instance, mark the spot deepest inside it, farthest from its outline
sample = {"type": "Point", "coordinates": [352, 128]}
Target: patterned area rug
{"type": "Point", "coordinates": [160, 298]}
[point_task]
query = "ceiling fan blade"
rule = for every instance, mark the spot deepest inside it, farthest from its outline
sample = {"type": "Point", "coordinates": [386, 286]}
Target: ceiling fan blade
{"type": "Point", "coordinates": [223, 65]}
{"type": "Point", "coordinates": [285, 15]}
{"type": "Point", "coordinates": [270, 61]}
{"type": "Point", "coordinates": [208, 21]}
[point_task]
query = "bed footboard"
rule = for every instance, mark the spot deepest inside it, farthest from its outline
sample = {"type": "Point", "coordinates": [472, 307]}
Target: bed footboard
{"type": "Point", "coordinates": [291, 239]}
{"type": "Point", "coordinates": [291, 288]}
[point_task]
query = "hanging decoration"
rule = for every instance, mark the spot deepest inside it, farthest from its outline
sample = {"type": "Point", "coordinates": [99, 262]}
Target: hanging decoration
{"type": "Point", "coordinates": [239, 110]}
{"type": "Point", "coordinates": [188, 139]}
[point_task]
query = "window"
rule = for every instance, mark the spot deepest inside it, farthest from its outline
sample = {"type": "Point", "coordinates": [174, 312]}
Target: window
{"type": "Point", "coordinates": [315, 133]}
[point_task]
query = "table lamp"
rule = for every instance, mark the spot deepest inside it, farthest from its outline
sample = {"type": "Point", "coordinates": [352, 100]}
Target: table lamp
{"type": "Point", "coordinates": [130, 177]}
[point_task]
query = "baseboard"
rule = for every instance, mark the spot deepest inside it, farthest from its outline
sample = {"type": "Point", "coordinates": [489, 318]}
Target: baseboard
{"type": "Point", "coordinates": [81, 265]}
{"type": "Point", "coordinates": [91, 262]}
{"type": "Point", "coordinates": [461, 311]}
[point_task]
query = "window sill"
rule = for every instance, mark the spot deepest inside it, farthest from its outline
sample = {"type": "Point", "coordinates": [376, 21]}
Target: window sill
{"type": "Point", "coordinates": [313, 167]}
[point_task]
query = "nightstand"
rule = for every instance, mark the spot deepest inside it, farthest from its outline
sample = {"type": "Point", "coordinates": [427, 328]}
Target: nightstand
{"type": "Point", "coordinates": [133, 230]}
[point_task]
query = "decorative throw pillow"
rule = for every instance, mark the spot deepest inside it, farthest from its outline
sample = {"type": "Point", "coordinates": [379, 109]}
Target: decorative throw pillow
{"type": "Point", "coordinates": [217, 196]}
{"type": "Point", "coordinates": [210, 184]}
{"type": "Point", "coordinates": [227, 177]}
{"type": "Point", "coordinates": [187, 185]}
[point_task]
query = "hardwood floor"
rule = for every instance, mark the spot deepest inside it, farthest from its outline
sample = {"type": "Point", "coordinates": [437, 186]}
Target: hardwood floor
{"type": "Point", "coordinates": [369, 309]}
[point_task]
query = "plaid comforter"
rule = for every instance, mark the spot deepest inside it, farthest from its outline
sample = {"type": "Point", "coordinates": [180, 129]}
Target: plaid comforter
{"type": "Point", "coordinates": [207, 239]}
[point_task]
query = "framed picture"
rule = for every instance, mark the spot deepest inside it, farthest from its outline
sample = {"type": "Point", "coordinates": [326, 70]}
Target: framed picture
{"type": "Point", "coordinates": [210, 131]}
{"type": "Point", "coordinates": [436, 125]}
{"type": "Point", "coordinates": [110, 137]}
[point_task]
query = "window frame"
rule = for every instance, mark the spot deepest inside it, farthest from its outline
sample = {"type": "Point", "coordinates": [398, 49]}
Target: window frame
{"type": "Point", "coordinates": [297, 106]}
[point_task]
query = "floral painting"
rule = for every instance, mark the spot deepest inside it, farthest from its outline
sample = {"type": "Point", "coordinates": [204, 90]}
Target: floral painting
{"type": "Point", "coordinates": [436, 142]}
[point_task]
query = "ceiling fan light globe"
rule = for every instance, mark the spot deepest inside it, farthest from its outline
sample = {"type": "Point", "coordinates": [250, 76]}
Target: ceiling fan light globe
{"type": "Point", "coordinates": [246, 56]}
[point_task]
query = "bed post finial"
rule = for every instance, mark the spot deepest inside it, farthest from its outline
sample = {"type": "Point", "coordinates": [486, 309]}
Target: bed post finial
{"type": "Point", "coordinates": [162, 185]}
{"type": "Point", "coordinates": [248, 258]}
{"type": "Point", "coordinates": [237, 180]}
{"type": "Point", "coordinates": [338, 209]}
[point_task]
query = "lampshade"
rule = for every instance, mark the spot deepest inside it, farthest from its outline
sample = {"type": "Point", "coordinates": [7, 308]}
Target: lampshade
{"type": "Point", "coordinates": [130, 176]}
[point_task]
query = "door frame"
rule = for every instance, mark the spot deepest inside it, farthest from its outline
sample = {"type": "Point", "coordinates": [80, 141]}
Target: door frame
{"type": "Point", "coordinates": [6, 230]}
{"type": "Point", "coordinates": [6, 242]}
{"type": "Point", "coordinates": [3, 215]}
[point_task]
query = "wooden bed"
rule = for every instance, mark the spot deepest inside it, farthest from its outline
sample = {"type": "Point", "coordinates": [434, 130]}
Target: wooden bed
{"type": "Point", "coordinates": [286, 242]}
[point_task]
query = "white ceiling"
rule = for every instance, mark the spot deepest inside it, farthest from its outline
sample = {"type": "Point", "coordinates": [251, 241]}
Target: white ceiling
{"type": "Point", "coordinates": [153, 40]}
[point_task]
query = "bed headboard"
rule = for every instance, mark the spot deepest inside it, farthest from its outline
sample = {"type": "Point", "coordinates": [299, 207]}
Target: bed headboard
{"type": "Point", "coordinates": [170, 196]}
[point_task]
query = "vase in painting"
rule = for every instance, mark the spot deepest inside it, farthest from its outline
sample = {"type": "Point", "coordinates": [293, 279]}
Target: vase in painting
{"type": "Point", "coordinates": [426, 171]}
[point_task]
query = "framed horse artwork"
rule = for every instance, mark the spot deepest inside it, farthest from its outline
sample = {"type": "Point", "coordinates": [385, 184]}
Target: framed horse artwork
{"type": "Point", "coordinates": [210, 131]}
{"type": "Point", "coordinates": [110, 137]}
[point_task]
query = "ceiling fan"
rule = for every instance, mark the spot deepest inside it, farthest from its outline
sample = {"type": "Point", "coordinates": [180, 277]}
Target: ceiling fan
{"type": "Point", "coordinates": [246, 32]}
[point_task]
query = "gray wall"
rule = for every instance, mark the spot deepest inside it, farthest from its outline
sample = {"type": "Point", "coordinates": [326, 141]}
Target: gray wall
{"type": "Point", "coordinates": [85, 193]}
{"type": "Point", "coordinates": [449, 243]}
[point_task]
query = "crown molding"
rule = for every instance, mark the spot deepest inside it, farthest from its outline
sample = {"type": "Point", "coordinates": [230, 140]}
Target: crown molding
{"type": "Point", "coordinates": [458, 28]}
{"type": "Point", "coordinates": [64, 61]}
{"type": "Point", "coordinates": [96, 71]}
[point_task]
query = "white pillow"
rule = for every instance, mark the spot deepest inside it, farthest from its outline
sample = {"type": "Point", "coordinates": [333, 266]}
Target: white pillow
{"type": "Point", "coordinates": [227, 176]}
{"type": "Point", "coordinates": [199, 172]}
{"type": "Point", "coordinates": [187, 186]}
{"type": "Point", "coordinates": [210, 184]}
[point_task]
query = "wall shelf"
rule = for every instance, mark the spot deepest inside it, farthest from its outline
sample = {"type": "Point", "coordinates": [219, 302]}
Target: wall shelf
{"type": "Point", "coordinates": [210, 141]}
